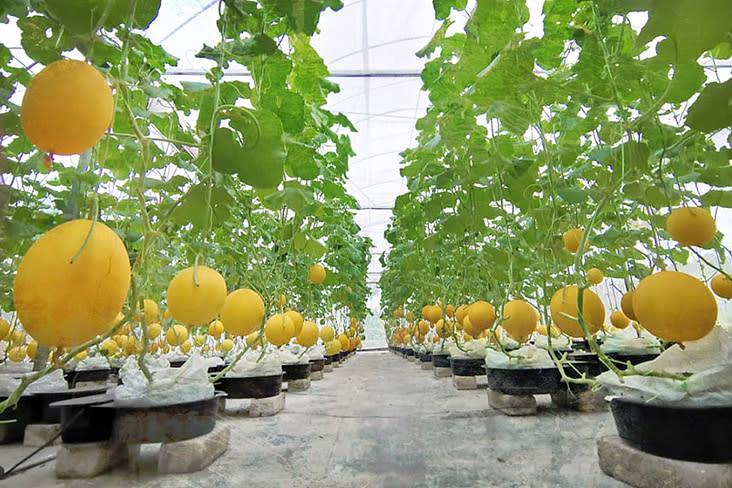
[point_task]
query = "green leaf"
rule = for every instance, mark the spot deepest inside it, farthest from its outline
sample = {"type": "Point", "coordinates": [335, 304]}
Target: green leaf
{"type": "Point", "coordinates": [253, 148]}
{"type": "Point", "coordinates": [301, 161]}
{"type": "Point", "coordinates": [86, 16]}
{"type": "Point", "coordinates": [193, 209]}
{"type": "Point", "coordinates": [442, 7]}
{"type": "Point", "coordinates": [688, 78]}
{"type": "Point", "coordinates": [572, 195]}
{"type": "Point", "coordinates": [38, 38]}
{"type": "Point", "coordinates": [690, 26]}
{"type": "Point", "coordinates": [712, 111]}
{"type": "Point", "coordinates": [719, 198]}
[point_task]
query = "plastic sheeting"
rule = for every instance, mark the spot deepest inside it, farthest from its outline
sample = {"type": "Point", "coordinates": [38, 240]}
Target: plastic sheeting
{"type": "Point", "coordinates": [527, 357]}
{"type": "Point", "coordinates": [709, 360]}
{"type": "Point", "coordinates": [188, 383]}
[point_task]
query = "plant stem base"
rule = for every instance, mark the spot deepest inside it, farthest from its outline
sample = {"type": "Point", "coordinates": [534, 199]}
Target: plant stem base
{"type": "Point", "coordinates": [512, 405]}
{"type": "Point", "coordinates": [465, 382]}
{"type": "Point", "coordinates": [643, 470]}
{"type": "Point", "coordinates": [440, 372]}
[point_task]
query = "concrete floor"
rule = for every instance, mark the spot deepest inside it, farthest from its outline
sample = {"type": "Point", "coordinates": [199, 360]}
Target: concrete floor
{"type": "Point", "coordinates": [380, 421]}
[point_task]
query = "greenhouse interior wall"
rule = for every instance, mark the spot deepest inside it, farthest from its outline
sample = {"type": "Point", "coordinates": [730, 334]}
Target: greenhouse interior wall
{"type": "Point", "coordinates": [366, 243]}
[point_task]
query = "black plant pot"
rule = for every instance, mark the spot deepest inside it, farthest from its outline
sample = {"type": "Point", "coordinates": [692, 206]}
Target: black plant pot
{"type": "Point", "coordinates": [177, 363]}
{"type": "Point", "coordinates": [169, 423]}
{"type": "Point", "coordinates": [251, 387]}
{"type": "Point", "coordinates": [425, 357]}
{"type": "Point", "coordinates": [295, 371]}
{"type": "Point", "coordinates": [217, 369]}
{"type": "Point", "coordinates": [82, 421]}
{"type": "Point", "coordinates": [536, 381]}
{"type": "Point", "coordinates": [700, 434]}
{"type": "Point", "coordinates": [328, 360]}
{"type": "Point", "coordinates": [73, 377]}
{"type": "Point", "coordinates": [467, 366]}
{"type": "Point", "coordinates": [441, 360]}
{"type": "Point", "coordinates": [409, 352]}
{"type": "Point", "coordinates": [316, 365]}
{"type": "Point", "coordinates": [587, 362]}
{"type": "Point", "coordinates": [27, 411]}
{"type": "Point", "coordinates": [51, 414]}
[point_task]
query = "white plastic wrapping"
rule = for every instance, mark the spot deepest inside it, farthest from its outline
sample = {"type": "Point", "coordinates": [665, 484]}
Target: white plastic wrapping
{"type": "Point", "coordinates": [16, 368]}
{"type": "Point", "coordinates": [52, 381]}
{"type": "Point", "coordinates": [474, 349]}
{"type": "Point", "coordinates": [709, 360]}
{"type": "Point", "coordinates": [188, 383]}
{"type": "Point", "coordinates": [627, 342]}
{"type": "Point", "coordinates": [9, 382]}
{"type": "Point", "coordinates": [251, 365]}
{"type": "Point", "coordinates": [443, 347]}
{"type": "Point", "coordinates": [289, 357]}
{"type": "Point", "coordinates": [560, 343]}
{"type": "Point", "coordinates": [92, 362]}
{"type": "Point", "coordinates": [314, 354]}
{"type": "Point", "coordinates": [527, 357]}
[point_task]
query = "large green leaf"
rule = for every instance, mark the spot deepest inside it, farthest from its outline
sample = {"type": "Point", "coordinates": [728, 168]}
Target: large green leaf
{"type": "Point", "coordinates": [84, 16]}
{"type": "Point", "coordinates": [712, 111]}
{"type": "Point", "coordinates": [253, 147]}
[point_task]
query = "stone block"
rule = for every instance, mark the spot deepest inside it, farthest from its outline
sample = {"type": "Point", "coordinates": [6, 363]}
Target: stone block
{"type": "Point", "coordinates": [86, 460]}
{"type": "Point", "coordinates": [513, 405]}
{"type": "Point", "coordinates": [464, 382]}
{"type": "Point", "coordinates": [643, 470]}
{"type": "Point", "coordinates": [411, 359]}
{"type": "Point", "coordinates": [336, 364]}
{"type": "Point", "coordinates": [426, 365]}
{"type": "Point", "coordinates": [194, 454]}
{"type": "Point", "coordinates": [583, 401]}
{"type": "Point", "coordinates": [441, 372]}
{"type": "Point", "coordinates": [328, 368]}
{"type": "Point", "coordinates": [298, 385]}
{"type": "Point", "coordinates": [266, 407]}
{"type": "Point", "coordinates": [316, 375]}
{"type": "Point", "coordinates": [37, 435]}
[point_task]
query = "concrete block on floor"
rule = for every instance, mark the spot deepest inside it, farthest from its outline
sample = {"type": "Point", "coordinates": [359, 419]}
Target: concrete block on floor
{"type": "Point", "coordinates": [464, 382]}
{"type": "Point", "coordinates": [86, 460]}
{"type": "Point", "coordinates": [328, 368]}
{"type": "Point", "coordinates": [266, 407]}
{"type": "Point", "coordinates": [316, 375]}
{"type": "Point", "coordinates": [513, 405]}
{"type": "Point", "coordinates": [441, 372]}
{"type": "Point", "coordinates": [298, 385]}
{"type": "Point", "coordinates": [411, 359]}
{"type": "Point", "coordinates": [194, 454]}
{"type": "Point", "coordinates": [426, 365]}
{"type": "Point", "coordinates": [583, 401]}
{"type": "Point", "coordinates": [336, 364]}
{"type": "Point", "coordinates": [37, 435]}
{"type": "Point", "coordinates": [643, 470]}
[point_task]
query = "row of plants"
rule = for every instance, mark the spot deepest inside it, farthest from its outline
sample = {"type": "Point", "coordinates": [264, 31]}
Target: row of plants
{"type": "Point", "coordinates": [561, 181]}
{"type": "Point", "coordinates": [223, 198]}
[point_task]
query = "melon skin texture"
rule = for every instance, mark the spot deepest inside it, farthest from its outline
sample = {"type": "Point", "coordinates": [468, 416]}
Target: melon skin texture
{"type": "Point", "coordinates": [64, 304]}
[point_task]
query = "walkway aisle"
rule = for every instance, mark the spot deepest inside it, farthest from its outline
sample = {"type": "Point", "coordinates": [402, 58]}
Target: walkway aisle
{"type": "Point", "coordinates": [380, 421]}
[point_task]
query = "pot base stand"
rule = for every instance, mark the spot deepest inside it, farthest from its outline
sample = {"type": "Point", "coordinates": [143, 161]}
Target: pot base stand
{"type": "Point", "coordinates": [316, 375]}
{"type": "Point", "coordinates": [328, 368]}
{"type": "Point", "coordinates": [582, 401]}
{"type": "Point", "coordinates": [512, 405]}
{"type": "Point", "coordinates": [256, 407]}
{"type": "Point", "coordinates": [465, 382]}
{"type": "Point", "coordinates": [426, 365]}
{"type": "Point", "coordinates": [294, 386]}
{"type": "Point", "coordinates": [441, 372]}
{"type": "Point", "coordinates": [86, 460]}
{"type": "Point", "coordinates": [643, 470]}
{"type": "Point", "coordinates": [37, 435]}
